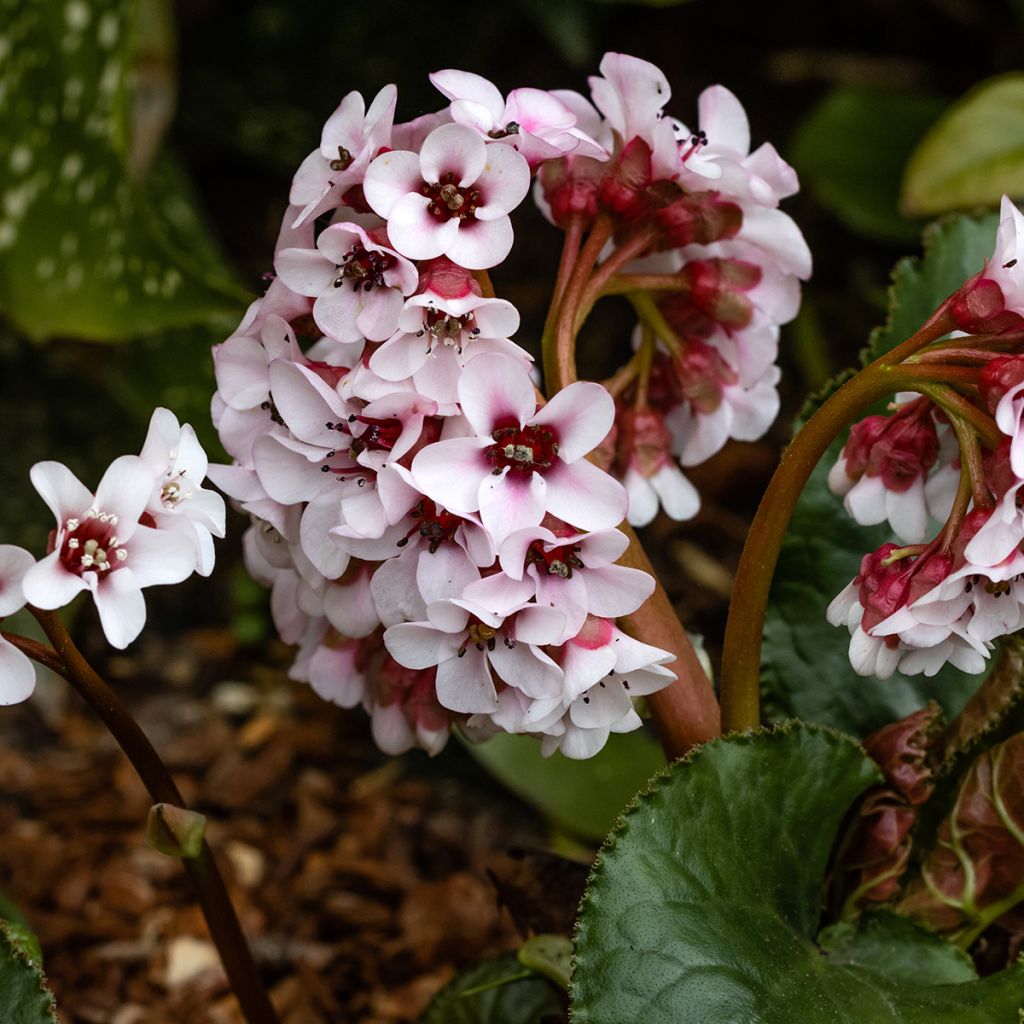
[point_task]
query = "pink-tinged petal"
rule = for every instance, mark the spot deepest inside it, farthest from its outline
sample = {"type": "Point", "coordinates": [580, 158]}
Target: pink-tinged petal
{"type": "Point", "coordinates": [389, 178]}
{"type": "Point", "coordinates": [438, 378]}
{"type": "Point", "coordinates": [157, 558]}
{"type": "Point", "coordinates": [318, 518]}
{"type": "Point", "coordinates": [391, 731]}
{"type": "Point", "coordinates": [631, 94]}
{"type": "Point", "coordinates": [513, 549]}
{"type": "Point", "coordinates": [66, 495]}
{"type": "Point", "coordinates": [121, 606]}
{"type": "Point", "coordinates": [464, 85]}
{"type": "Point", "coordinates": [472, 115]}
{"type": "Point", "coordinates": [995, 541]}
{"type": "Point", "coordinates": [415, 233]}
{"type": "Point", "coordinates": [776, 233]}
{"type": "Point", "coordinates": [286, 476]}
{"type": "Point", "coordinates": [350, 609]}
{"type": "Point", "coordinates": [163, 437]}
{"type": "Point", "coordinates": [241, 368]}
{"type": "Point", "coordinates": [450, 472]}
{"type": "Point", "coordinates": [499, 594]}
{"type": "Point", "coordinates": [616, 590]}
{"type": "Point", "coordinates": [632, 655]}
{"type": "Point", "coordinates": [539, 112]}
{"type": "Point", "coordinates": [503, 182]}
{"type": "Point", "coordinates": [450, 617]}
{"type": "Point", "coordinates": [307, 404]}
{"type": "Point", "coordinates": [444, 574]}
{"type": "Point", "coordinates": [496, 392]}
{"type": "Point", "coordinates": [17, 675]}
{"type": "Point", "coordinates": [15, 562]}
{"type": "Point", "coordinates": [496, 318]}
{"type": "Point", "coordinates": [642, 498]}
{"type": "Point", "coordinates": [453, 149]}
{"type": "Point", "coordinates": [395, 593]}
{"type": "Point", "coordinates": [679, 498]}
{"type": "Point", "coordinates": [724, 120]}
{"type": "Point", "coordinates": [400, 357]}
{"type": "Point", "coordinates": [600, 708]}
{"type": "Point", "coordinates": [480, 244]}
{"type": "Point", "coordinates": [602, 548]}
{"type": "Point", "coordinates": [510, 501]}
{"type": "Point", "coordinates": [124, 491]}
{"type": "Point", "coordinates": [528, 670]}
{"type": "Point", "coordinates": [865, 501]}
{"type": "Point", "coordinates": [335, 313]}
{"type": "Point", "coordinates": [464, 684]}
{"type": "Point", "coordinates": [569, 596]}
{"type": "Point", "coordinates": [417, 644]}
{"type": "Point", "coordinates": [538, 625]}
{"type": "Point", "coordinates": [305, 271]}
{"type": "Point", "coordinates": [584, 667]}
{"type": "Point", "coordinates": [907, 513]}
{"type": "Point", "coordinates": [49, 585]}
{"type": "Point", "coordinates": [377, 320]}
{"type": "Point", "coordinates": [585, 496]}
{"type": "Point", "coordinates": [581, 416]}
{"type": "Point", "coordinates": [310, 183]}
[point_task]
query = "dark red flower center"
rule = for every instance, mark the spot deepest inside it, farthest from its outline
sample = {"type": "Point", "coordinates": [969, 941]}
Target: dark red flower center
{"type": "Point", "coordinates": [91, 544]}
{"type": "Point", "coordinates": [448, 199]}
{"type": "Point", "coordinates": [435, 525]}
{"type": "Point", "coordinates": [556, 562]}
{"type": "Point", "coordinates": [365, 268]}
{"type": "Point", "coordinates": [522, 449]}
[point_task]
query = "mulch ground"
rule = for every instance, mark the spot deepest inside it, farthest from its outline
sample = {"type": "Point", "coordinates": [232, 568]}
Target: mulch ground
{"type": "Point", "coordinates": [361, 881]}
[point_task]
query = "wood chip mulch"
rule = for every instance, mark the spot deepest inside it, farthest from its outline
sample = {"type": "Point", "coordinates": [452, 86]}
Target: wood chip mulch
{"type": "Point", "coordinates": [361, 881]}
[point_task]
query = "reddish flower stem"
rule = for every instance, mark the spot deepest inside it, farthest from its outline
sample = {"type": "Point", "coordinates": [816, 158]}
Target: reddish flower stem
{"type": "Point", "coordinates": [625, 253]}
{"type": "Point", "coordinates": [213, 897]}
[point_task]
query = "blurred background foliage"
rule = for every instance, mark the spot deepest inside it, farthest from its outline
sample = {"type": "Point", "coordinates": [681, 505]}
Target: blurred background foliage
{"type": "Point", "coordinates": [146, 150]}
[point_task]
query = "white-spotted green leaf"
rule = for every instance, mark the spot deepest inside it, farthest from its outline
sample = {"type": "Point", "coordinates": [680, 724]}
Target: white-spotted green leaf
{"type": "Point", "coordinates": [705, 901]}
{"type": "Point", "coordinates": [973, 154]}
{"type": "Point", "coordinates": [94, 242]}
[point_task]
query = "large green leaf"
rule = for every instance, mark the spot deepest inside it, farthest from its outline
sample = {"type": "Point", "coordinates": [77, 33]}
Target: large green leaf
{"type": "Point", "coordinates": [499, 991]}
{"type": "Point", "coordinates": [805, 669]}
{"type": "Point", "coordinates": [851, 150]}
{"type": "Point", "coordinates": [581, 797]}
{"type": "Point", "coordinates": [24, 997]}
{"type": "Point", "coordinates": [973, 154]}
{"type": "Point", "coordinates": [90, 246]}
{"type": "Point", "coordinates": [705, 900]}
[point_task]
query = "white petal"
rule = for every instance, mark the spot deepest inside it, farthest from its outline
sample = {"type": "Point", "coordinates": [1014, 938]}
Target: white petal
{"type": "Point", "coordinates": [17, 675]}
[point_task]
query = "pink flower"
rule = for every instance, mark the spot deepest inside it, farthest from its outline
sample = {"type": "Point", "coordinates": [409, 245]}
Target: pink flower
{"type": "Point", "coordinates": [351, 138]}
{"type": "Point", "coordinates": [993, 300]}
{"type": "Point", "coordinates": [358, 281]}
{"type": "Point", "coordinates": [532, 121]}
{"type": "Point", "coordinates": [438, 336]}
{"type": "Point", "coordinates": [452, 199]}
{"type": "Point", "coordinates": [178, 463]}
{"type": "Point", "coordinates": [520, 463]}
{"type": "Point", "coordinates": [631, 95]}
{"type": "Point", "coordinates": [17, 674]}
{"type": "Point", "coordinates": [469, 646]}
{"type": "Point", "coordinates": [573, 572]}
{"type": "Point", "coordinates": [100, 546]}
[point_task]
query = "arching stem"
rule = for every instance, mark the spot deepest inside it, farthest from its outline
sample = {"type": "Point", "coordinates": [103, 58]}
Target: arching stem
{"type": "Point", "coordinates": [213, 897]}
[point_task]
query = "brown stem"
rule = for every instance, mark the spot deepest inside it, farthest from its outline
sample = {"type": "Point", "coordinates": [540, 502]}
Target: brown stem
{"type": "Point", "coordinates": [686, 712]}
{"type": "Point", "coordinates": [216, 905]}
{"type": "Point", "coordinates": [38, 652]}
{"type": "Point", "coordinates": [625, 253]}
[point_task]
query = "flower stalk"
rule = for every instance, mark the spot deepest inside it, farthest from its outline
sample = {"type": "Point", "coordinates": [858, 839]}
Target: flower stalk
{"type": "Point", "coordinates": [221, 919]}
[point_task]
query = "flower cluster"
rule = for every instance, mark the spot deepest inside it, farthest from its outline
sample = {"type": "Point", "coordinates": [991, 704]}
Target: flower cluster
{"type": "Point", "coordinates": [712, 265]}
{"type": "Point", "coordinates": [149, 522]}
{"type": "Point", "coordinates": [917, 605]}
{"type": "Point", "coordinates": [441, 544]}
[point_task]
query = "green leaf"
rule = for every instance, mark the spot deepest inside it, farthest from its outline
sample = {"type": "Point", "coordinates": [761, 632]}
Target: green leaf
{"type": "Point", "coordinates": [496, 992]}
{"type": "Point", "coordinates": [896, 948]}
{"type": "Point", "coordinates": [175, 831]}
{"type": "Point", "coordinates": [850, 152]}
{"type": "Point", "coordinates": [88, 247]}
{"type": "Point", "coordinates": [582, 797]}
{"type": "Point", "coordinates": [24, 996]}
{"type": "Point", "coordinates": [806, 672]}
{"type": "Point", "coordinates": [705, 900]}
{"type": "Point", "coordinates": [550, 955]}
{"type": "Point", "coordinates": [973, 154]}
